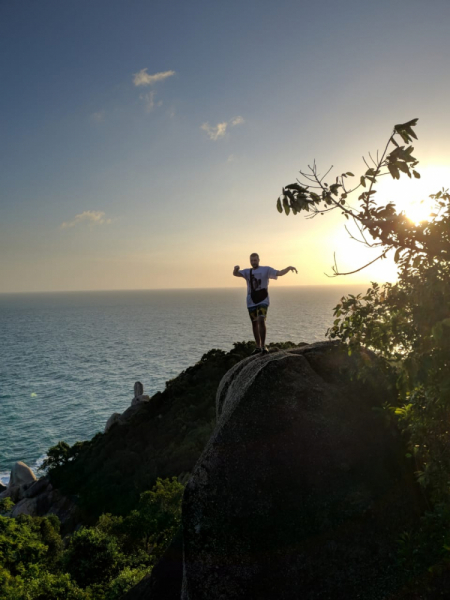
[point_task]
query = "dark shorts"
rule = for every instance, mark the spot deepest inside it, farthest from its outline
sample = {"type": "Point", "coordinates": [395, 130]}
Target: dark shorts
{"type": "Point", "coordinates": [258, 311]}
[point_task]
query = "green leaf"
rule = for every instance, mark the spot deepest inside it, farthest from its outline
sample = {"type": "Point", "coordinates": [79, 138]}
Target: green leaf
{"type": "Point", "coordinates": [405, 130]}
{"type": "Point", "coordinates": [295, 186]}
{"type": "Point", "coordinates": [349, 174]}
{"type": "Point", "coordinates": [416, 174]}
{"type": "Point", "coordinates": [279, 207]}
{"type": "Point", "coordinates": [403, 167]}
{"type": "Point", "coordinates": [289, 195]}
{"type": "Point", "coordinates": [394, 171]}
{"type": "Point", "coordinates": [363, 181]}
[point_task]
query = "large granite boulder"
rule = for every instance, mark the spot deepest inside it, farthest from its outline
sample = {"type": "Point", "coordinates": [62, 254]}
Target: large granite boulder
{"type": "Point", "coordinates": [20, 479]}
{"type": "Point", "coordinates": [303, 489]}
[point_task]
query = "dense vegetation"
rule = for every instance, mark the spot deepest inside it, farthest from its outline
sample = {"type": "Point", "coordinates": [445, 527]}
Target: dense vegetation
{"type": "Point", "coordinates": [99, 562]}
{"type": "Point", "coordinates": [406, 323]}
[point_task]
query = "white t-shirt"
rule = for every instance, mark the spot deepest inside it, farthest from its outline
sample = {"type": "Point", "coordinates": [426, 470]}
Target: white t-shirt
{"type": "Point", "coordinates": [261, 277]}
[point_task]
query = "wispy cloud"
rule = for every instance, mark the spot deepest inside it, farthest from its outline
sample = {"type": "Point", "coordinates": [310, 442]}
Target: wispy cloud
{"type": "Point", "coordinates": [218, 131]}
{"type": "Point", "coordinates": [214, 133]}
{"type": "Point", "coordinates": [92, 217]}
{"type": "Point", "coordinates": [237, 121]}
{"type": "Point", "coordinates": [149, 100]}
{"type": "Point", "coordinates": [143, 78]}
{"type": "Point", "coordinates": [98, 117]}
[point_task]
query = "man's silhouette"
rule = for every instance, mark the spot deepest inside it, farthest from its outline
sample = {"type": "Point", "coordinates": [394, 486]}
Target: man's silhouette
{"type": "Point", "coordinates": [258, 296]}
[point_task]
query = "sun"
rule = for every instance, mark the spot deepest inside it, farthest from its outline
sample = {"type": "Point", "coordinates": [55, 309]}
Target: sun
{"type": "Point", "coordinates": [412, 196]}
{"type": "Point", "coordinates": [419, 211]}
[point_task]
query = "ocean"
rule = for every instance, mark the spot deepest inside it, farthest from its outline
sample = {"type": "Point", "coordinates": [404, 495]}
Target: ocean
{"type": "Point", "coordinates": [68, 360]}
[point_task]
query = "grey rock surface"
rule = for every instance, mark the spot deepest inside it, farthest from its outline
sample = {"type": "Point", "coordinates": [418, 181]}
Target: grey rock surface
{"type": "Point", "coordinates": [138, 389]}
{"type": "Point", "coordinates": [139, 399]}
{"type": "Point", "coordinates": [20, 479]}
{"type": "Point", "coordinates": [114, 418]}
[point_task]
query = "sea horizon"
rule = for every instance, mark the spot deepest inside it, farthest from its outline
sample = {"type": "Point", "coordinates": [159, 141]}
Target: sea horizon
{"type": "Point", "coordinates": [170, 289]}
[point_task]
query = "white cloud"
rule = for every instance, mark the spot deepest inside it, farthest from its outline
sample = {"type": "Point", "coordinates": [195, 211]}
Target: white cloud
{"type": "Point", "coordinates": [214, 133]}
{"type": "Point", "coordinates": [92, 217]}
{"type": "Point", "coordinates": [237, 121]}
{"type": "Point", "coordinates": [143, 78]}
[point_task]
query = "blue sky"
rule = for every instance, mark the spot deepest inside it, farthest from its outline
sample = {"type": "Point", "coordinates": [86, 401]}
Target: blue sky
{"type": "Point", "coordinates": [105, 184]}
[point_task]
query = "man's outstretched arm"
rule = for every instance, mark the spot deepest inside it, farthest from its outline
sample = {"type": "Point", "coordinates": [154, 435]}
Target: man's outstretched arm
{"type": "Point", "coordinates": [286, 270]}
{"type": "Point", "coordinates": [236, 272]}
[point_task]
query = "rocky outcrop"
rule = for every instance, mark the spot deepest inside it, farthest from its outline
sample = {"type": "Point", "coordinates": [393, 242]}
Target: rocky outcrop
{"type": "Point", "coordinates": [38, 498]}
{"type": "Point", "coordinates": [302, 490]}
{"type": "Point", "coordinates": [20, 479]}
{"type": "Point", "coordinates": [114, 418]}
{"type": "Point", "coordinates": [139, 398]}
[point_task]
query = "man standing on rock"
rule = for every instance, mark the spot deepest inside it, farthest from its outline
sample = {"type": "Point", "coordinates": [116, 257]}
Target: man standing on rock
{"type": "Point", "coordinates": [258, 296]}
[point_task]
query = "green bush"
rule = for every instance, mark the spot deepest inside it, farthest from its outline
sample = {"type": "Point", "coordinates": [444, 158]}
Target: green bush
{"type": "Point", "coordinates": [93, 557]}
{"type": "Point", "coordinates": [124, 582]}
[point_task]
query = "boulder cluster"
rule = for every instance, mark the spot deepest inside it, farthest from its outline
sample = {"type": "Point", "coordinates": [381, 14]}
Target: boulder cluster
{"type": "Point", "coordinates": [37, 497]}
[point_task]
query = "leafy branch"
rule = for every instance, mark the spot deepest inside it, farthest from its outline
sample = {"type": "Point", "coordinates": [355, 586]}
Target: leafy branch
{"type": "Point", "coordinates": [386, 227]}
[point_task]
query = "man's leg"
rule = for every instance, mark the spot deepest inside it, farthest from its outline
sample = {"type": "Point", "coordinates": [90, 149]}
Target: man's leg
{"type": "Point", "coordinates": [255, 325]}
{"type": "Point", "coordinates": [262, 331]}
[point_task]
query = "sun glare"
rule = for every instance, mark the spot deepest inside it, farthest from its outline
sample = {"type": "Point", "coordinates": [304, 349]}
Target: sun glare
{"type": "Point", "coordinates": [419, 211]}
{"type": "Point", "coordinates": [413, 195]}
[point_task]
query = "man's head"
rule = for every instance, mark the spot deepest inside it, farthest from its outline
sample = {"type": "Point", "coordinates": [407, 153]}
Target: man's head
{"type": "Point", "coordinates": [254, 260]}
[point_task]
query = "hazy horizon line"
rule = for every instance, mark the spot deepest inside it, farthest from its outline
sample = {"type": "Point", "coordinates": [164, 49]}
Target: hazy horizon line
{"type": "Point", "coordinates": [172, 289]}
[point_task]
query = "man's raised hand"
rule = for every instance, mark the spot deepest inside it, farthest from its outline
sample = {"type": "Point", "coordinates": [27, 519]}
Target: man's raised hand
{"type": "Point", "coordinates": [293, 269]}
